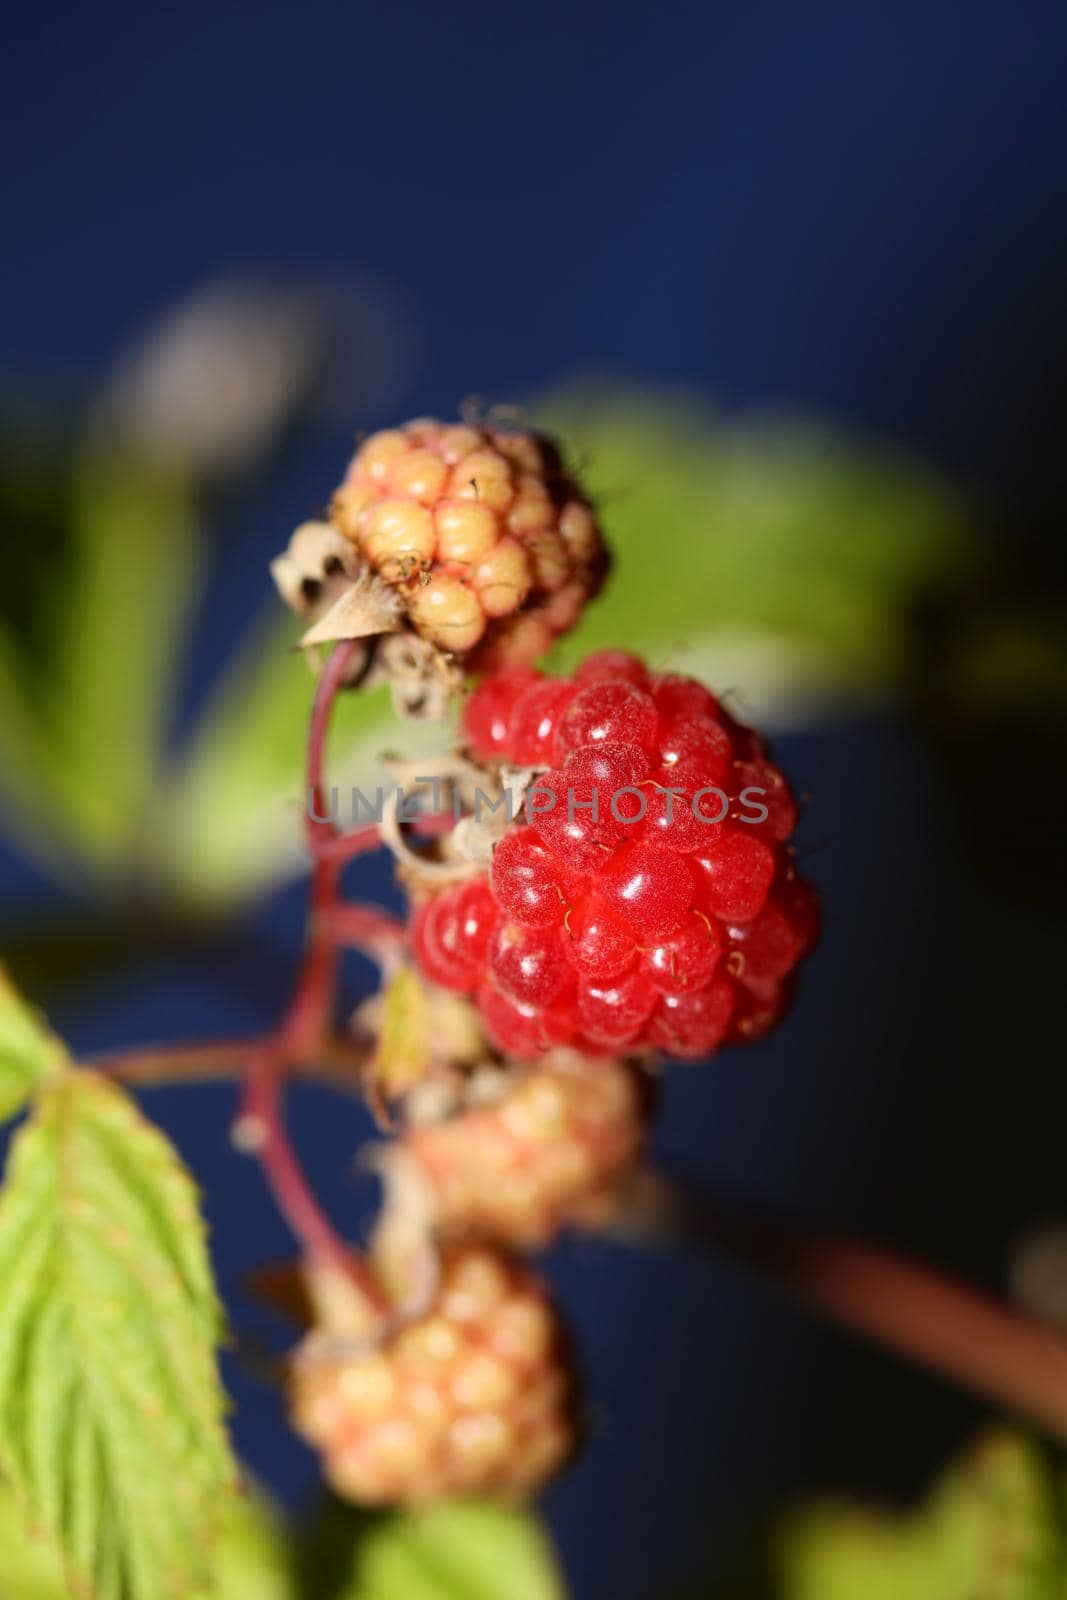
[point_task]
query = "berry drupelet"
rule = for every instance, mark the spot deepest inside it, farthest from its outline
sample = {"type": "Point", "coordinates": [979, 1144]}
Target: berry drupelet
{"type": "Point", "coordinates": [645, 898]}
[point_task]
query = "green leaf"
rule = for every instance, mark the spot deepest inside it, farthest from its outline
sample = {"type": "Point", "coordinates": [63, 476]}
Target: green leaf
{"type": "Point", "coordinates": [461, 1550]}
{"type": "Point", "coordinates": [120, 620]}
{"type": "Point", "coordinates": [252, 1556]}
{"type": "Point", "coordinates": [992, 1529]}
{"type": "Point", "coordinates": [252, 1561]}
{"type": "Point", "coordinates": [794, 558]}
{"type": "Point", "coordinates": [28, 1051]}
{"type": "Point", "coordinates": [110, 1404]}
{"type": "Point", "coordinates": [86, 676]}
{"type": "Point", "coordinates": [30, 1569]}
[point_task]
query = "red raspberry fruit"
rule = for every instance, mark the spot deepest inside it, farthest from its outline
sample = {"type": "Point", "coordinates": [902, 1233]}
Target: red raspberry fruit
{"type": "Point", "coordinates": [474, 1398]}
{"type": "Point", "coordinates": [646, 897]}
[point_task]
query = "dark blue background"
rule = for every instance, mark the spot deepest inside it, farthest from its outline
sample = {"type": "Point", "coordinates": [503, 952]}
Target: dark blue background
{"type": "Point", "coordinates": [856, 209]}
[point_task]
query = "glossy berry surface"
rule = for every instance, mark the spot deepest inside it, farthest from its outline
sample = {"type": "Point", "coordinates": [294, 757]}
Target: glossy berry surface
{"type": "Point", "coordinates": [491, 545]}
{"type": "Point", "coordinates": [645, 897]}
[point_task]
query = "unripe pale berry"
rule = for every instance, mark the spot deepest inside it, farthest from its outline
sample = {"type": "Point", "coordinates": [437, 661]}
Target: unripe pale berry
{"type": "Point", "coordinates": [445, 611]}
{"type": "Point", "coordinates": [475, 1397]}
{"type": "Point", "coordinates": [502, 579]}
{"type": "Point", "coordinates": [551, 1150]}
{"type": "Point", "coordinates": [489, 543]}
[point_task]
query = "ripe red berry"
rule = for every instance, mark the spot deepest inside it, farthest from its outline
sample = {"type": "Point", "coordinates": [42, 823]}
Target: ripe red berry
{"type": "Point", "coordinates": [535, 718]}
{"type": "Point", "coordinates": [649, 887]}
{"type": "Point", "coordinates": [645, 899]}
{"type": "Point", "coordinates": [523, 1030]}
{"type": "Point", "coordinates": [529, 964]}
{"type": "Point", "coordinates": [609, 767]}
{"type": "Point", "coordinates": [686, 959]}
{"type": "Point", "coordinates": [527, 879]}
{"type": "Point", "coordinates": [763, 800]}
{"type": "Point", "coordinates": [757, 1010]}
{"type": "Point", "coordinates": [613, 666]}
{"type": "Point", "coordinates": [602, 944]}
{"type": "Point", "coordinates": [696, 749]}
{"type": "Point", "coordinates": [692, 1024]}
{"type": "Point", "coordinates": [607, 712]}
{"type": "Point", "coordinates": [682, 816]}
{"type": "Point", "coordinates": [612, 1012]}
{"type": "Point", "coordinates": [574, 821]}
{"type": "Point", "coordinates": [488, 714]}
{"type": "Point", "coordinates": [734, 876]}
{"type": "Point", "coordinates": [683, 697]}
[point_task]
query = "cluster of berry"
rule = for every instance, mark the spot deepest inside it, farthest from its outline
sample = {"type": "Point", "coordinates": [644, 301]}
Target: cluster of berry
{"type": "Point", "coordinates": [478, 1394]}
{"type": "Point", "coordinates": [643, 901]}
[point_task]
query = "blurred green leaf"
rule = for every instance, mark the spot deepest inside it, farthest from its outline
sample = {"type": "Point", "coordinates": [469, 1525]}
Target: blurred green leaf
{"type": "Point", "coordinates": [110, 1403]}
{"type": "Point", "coordinates": [85, 685]}
{"type": "Point", "coordinates": [29, 1567]}
{"type": "Point", "coordinates": [775, 556]}
{"type": "Point", "coordinates": [460, 1550]}
{"type": "Point", "coordinates": [251, 1558]}
{"type": "Point", "coordinates": [231, 819]}
{"type": "Point", "coordinates": [992, 1527]}
{"type": "Point", "coordinates": [28, 1051]}
{"type": "Point", "coordinates": [123, 618]}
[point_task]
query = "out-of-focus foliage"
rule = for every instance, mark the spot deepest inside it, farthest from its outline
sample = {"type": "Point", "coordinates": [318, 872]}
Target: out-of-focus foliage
{"type": "Point", "coordinates": [993, 1527]}
{"type": "Point", "coordinates": [776, 558]}
{"type": "Point", "coordinates": [459, 1550]}
{"type": "Point", "coordinates": [28, 1052]}
{"type": "Point", "coordinates": [251, 1557]}
{"type": "Point", "coordinates": [231, 808]}
{"type": "Point", "coordinates": [769, 553]}
{"type": "Point", "coordinates": [111, 1430]}
{"type": "Point", "coordinates": [105, 560]}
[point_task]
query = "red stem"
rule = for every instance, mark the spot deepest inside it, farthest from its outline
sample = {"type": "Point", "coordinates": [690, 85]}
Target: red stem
{"type": "Point", "coordinates": [942, 1325]}
{"type": "Point", "coordinates": [261, 1122]}
{"type": "Point", "coordinates": [307, 1022]}
{"type": "Point", "coordinates": [365, 928]}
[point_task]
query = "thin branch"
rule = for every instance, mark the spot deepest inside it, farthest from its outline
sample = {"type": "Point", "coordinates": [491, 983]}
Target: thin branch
{"type": "Point", "coordinates": [945, 1326]}
{"type": "Point", "coordinates": [260, 1129]}
{"type": "Point", "coordinates": [367, 928]}
{"type": "Point", "coordinates": [338, 1062]}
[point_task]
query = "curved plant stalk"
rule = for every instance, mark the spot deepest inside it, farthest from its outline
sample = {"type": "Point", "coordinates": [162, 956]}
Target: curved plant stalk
{"type": "Point", "coordinates": [948, 1327]}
